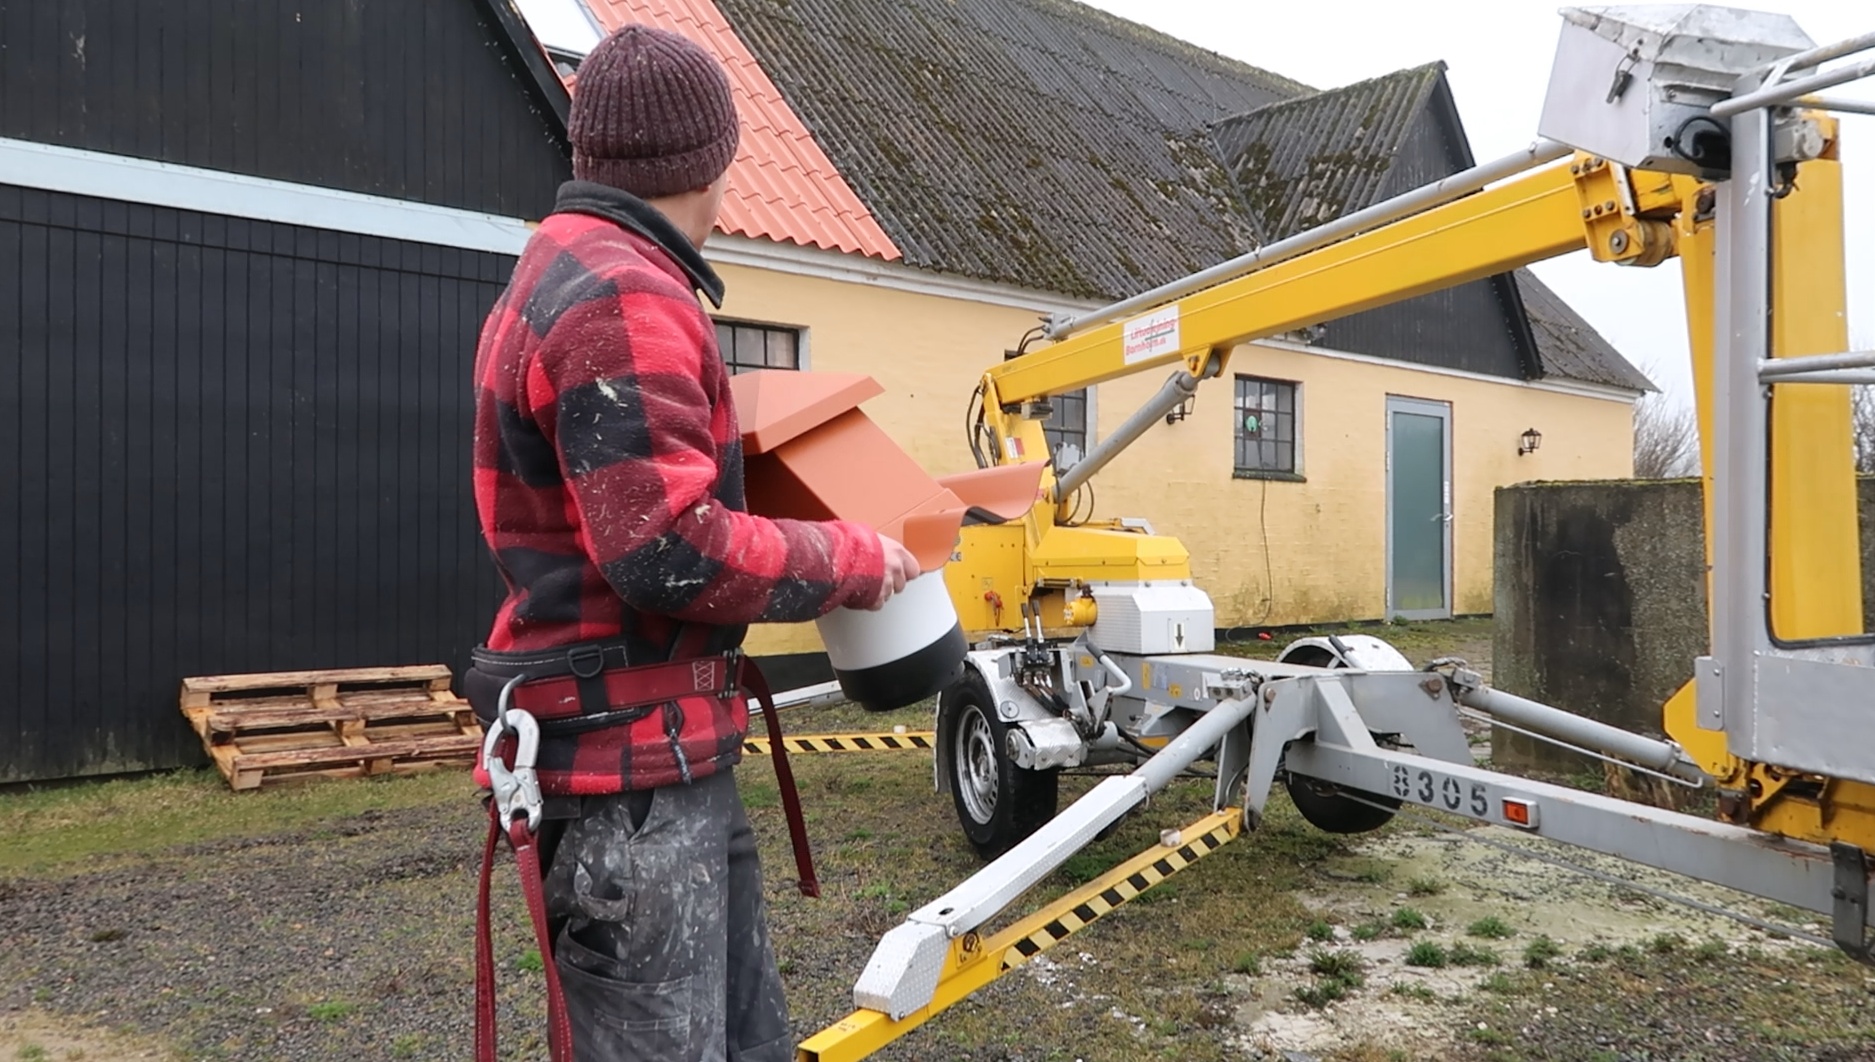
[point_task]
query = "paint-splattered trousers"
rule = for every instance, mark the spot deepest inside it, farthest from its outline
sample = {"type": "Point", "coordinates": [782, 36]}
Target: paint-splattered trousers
{"type": "Point", "coordinates": [661, 934]}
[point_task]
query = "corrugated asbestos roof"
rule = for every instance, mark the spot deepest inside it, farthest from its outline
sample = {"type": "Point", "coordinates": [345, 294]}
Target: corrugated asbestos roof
{"type": "Point", "coordinates": [1045, 144]}
{"type": "Point", "coordinates": [1569, 346]}
{"type": "Point", "coordinates": [1034, 142]}
{"type": "Point", "coordinates": [781, 185]}
{"type": "Point", "coordinates": [1306, 161]}
{"type": "Point", "coordinates": [1302, 162]}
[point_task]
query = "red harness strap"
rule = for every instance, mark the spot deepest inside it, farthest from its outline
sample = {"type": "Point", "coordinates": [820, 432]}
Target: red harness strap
{"type": "Point", "coordinates": [527, 856]}
{"type": "Point", "coordinates": [527, 859]}
{"type": "Point", "coordinates": [757, 684]}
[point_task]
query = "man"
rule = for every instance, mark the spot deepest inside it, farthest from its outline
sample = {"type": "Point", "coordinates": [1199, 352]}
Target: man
{"type": "Point", "coordinates": [608, 476]}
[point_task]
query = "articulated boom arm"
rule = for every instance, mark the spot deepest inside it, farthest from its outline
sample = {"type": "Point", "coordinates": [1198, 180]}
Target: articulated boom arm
{"type": "Point", "coordinates": [1392, 252]}
{"type": "Point", "coordinates": [1620, 215]}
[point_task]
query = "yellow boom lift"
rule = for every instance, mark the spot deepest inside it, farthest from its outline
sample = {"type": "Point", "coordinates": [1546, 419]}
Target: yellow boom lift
{"type": "Point", "coordinates": [1691, 132]}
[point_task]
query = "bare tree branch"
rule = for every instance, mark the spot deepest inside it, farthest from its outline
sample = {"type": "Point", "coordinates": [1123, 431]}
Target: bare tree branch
{"type": "Point", "coordinates": [1666, 439]}
{"type": "Point", "coordinates": [1862, 413]}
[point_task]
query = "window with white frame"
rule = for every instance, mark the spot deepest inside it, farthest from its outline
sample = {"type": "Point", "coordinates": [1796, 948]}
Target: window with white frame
{"type": "Point", "coordinates": [1067, 424]}
{"type": "Point", "coordinates": [1266, 435]}
{"type": "Point", "coordinates": [746, 346]}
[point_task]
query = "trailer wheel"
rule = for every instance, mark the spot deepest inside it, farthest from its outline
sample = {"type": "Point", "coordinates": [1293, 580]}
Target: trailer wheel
{"type": "Point", "coordinates": [998, 802]}
{"type": "Point", "coordinates": [1327, 807]}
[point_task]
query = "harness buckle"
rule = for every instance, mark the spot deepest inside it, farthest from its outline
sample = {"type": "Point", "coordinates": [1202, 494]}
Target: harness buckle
{"type": "Point", "coordinates": [516, 787]}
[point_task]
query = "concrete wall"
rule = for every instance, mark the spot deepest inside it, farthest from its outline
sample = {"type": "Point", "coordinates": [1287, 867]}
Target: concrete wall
{"type": "Point", "coordinates": [1270, 552]}
{"type": "Point", "coordinates": [1601, 600]}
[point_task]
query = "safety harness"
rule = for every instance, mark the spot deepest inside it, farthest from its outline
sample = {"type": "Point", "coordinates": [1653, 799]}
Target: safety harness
{"type": "Point", "coordinates": [516, 804]}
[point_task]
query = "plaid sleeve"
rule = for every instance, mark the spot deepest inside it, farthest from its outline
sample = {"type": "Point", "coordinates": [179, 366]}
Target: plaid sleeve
{"type": "Point", "coordinates": [617, 384]}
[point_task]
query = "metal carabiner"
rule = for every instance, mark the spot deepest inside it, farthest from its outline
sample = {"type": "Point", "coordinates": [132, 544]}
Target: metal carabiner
{"type": "Point", "coordinates": [516, 788]}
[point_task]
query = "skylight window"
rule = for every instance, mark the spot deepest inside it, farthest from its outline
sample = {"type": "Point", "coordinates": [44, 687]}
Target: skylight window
{"type": "Point", "coordinates": [564, 27]}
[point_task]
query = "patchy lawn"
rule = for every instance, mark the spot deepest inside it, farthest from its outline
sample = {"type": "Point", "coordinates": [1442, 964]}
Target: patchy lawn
{"type": "Point", "coordinates": [166, 917]}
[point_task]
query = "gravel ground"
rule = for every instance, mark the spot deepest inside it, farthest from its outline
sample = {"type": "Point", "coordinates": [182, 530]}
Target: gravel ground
{"type": "Point", "coordinates": [170, 919]}
{"type": "Point", "coordinates": [313, 944]}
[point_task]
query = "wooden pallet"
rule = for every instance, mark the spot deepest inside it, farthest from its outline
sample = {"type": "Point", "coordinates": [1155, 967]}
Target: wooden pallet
{"type": "Point", "coordinates": [297, 725]}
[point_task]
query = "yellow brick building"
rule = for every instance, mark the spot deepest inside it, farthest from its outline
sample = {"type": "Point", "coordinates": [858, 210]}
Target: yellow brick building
{"type": "Point", "coordinates": [920, 182]}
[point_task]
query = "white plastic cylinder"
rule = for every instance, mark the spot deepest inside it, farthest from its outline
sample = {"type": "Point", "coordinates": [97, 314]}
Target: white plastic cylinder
{"type": "Point", "coordinates": [902, 653]}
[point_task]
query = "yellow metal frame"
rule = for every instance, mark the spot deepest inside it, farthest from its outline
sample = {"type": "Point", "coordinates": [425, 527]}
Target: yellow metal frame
{"type": "Point", "coordinates": [1618, 215]}
{"type": "Point", "coordinates": [1815, 550]}
{"type": "Point", "coordinates": [974, 961]}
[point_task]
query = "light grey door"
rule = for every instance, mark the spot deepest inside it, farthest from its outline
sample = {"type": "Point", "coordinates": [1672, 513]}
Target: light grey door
{"type": "Point", "coordinates": [1419, 509]}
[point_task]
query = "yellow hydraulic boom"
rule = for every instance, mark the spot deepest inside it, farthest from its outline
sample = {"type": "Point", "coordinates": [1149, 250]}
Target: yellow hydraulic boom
{"type": "Point", "coordinates": [1622, 216]}
{"type": "Point", "coordinates": [1778, 713]}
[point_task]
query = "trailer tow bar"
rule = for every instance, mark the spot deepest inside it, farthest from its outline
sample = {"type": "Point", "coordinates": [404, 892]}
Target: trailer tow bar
{"type": "Point", "coordinates": [973, 962]}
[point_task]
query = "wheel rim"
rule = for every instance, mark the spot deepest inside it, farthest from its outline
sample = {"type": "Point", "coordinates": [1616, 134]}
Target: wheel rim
{"type": "Point", "coordinates": [975, 757]}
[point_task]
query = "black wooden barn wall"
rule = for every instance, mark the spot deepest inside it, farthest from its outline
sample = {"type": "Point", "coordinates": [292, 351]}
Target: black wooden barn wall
{"type": "Point", "coordinates": [410, 99]}
{"type": "Point", "coordinates": [242, 446]}
{"type": "Point", "coordinates": [1477, 327]}
{"type": "Point", "coordinates": [238, 446]}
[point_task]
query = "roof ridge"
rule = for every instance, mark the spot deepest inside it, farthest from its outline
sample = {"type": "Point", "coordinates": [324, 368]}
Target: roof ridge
{"type": "Point", "coordinates": [1427, 72]}
{"type": "Point", "coordinates": [1145, 34]}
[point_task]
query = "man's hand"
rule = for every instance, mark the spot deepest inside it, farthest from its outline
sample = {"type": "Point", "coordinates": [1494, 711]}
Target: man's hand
{"type": "Point", "coordinates": [900, 568]}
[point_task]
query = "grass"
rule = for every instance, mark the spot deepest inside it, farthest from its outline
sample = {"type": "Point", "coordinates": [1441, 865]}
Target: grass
{"type": "Point", "coordinates": [1419, 641]}
{"type": "Point", "coordinates": [1491, 928]}
{"type": "Point", "coordinates": [72, 828]}
{"type": "Point", "coordinates": [1342, 964]}
{"type": "Point", "coordinates": [1320, 931]}
{"type": "Point", "coordinates": [530, 962]}
{"type": "Point", "coordinates": [1463, 954]}
{"type": "Point", "coordinates": [1666, 943]}
{"type": "Point", "coordinates": [1541, 952]}
{"type": "Point", "coordinates": [329, 1011]}
{"type": "Point", "coordinates": [878, 829]}
{"type": "Point", "coordinates": [1408, 919]}
{"type": "Point", "coordinates": [1672, 1003]}
{"type": "Point", "coordinates": [1490, 1037]}
{"type": "Point", "coordinates": [1428, 954]}
{"type": "Point", "coordinates": [1337, 973]}
{"type": "Point", "coordinates": [33, 1053]}
{"type": "Point", "coordinates": [1498, 983]}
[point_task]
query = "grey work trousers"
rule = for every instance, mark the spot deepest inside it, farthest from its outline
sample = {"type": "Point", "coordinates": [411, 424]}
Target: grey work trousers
{"type": "Point", "coordinates": [661, 932]}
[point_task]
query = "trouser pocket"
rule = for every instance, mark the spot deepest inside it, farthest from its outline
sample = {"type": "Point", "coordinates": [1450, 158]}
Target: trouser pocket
{"type": "Point", "coordinates": [627, 1020]}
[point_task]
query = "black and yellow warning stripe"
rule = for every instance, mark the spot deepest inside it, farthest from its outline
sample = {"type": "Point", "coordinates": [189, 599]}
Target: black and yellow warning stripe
{"type": "Point", "coordinates": [973, 963]}
{"type": "Point", "coordinates": [1117, 886]}
{"type": "Point", "coordinates": [916, 739]}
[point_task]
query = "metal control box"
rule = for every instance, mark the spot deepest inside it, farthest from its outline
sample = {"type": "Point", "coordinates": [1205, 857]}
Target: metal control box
{"type": "Point", "coordinates": [1634, 84]}
{"type": "Point", "coordinates": [1152, 617]}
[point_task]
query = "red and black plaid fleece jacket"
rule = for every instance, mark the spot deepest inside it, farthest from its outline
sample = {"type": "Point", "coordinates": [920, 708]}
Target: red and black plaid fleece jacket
{"type": "Point", "coordinates": [608, 477]}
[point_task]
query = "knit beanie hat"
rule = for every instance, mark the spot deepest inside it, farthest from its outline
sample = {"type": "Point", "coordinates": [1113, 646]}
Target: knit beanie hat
{"type": "Point", "coordinates": [651, 114]}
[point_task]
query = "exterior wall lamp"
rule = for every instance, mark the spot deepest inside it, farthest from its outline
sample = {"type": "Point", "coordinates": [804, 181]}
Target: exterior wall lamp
{"type": "Point", "coordinates": [1529, 441]}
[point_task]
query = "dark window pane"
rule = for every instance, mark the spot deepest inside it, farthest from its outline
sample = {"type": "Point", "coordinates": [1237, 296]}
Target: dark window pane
{"type": "Point", "coordinates": [749, 346]}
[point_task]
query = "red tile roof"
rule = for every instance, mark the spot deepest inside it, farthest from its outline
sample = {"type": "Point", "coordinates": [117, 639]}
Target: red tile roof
{"type": "Point", "coordinates": [781, 185]}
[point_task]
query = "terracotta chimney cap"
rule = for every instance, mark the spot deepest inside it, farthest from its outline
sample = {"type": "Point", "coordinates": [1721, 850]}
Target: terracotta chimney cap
{"type": "Point", "coordinates": [776, 405]}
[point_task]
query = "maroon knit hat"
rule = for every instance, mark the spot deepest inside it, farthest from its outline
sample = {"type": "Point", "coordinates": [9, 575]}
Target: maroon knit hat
{"type": "Point", "coordinates": [651, 114]}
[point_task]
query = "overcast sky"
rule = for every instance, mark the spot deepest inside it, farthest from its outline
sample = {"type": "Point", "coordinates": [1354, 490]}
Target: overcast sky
{"type": "Point", "coordinates": [1498, 54]}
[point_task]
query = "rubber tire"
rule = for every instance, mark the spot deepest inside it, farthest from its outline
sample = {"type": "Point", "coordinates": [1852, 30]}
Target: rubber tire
{"type": "Point", "coordinates": [1326, 809]}
{"type": "Point", "coordinates": [1321, 803]}
{"type": "Point", "coordinates": [1021, 801]}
